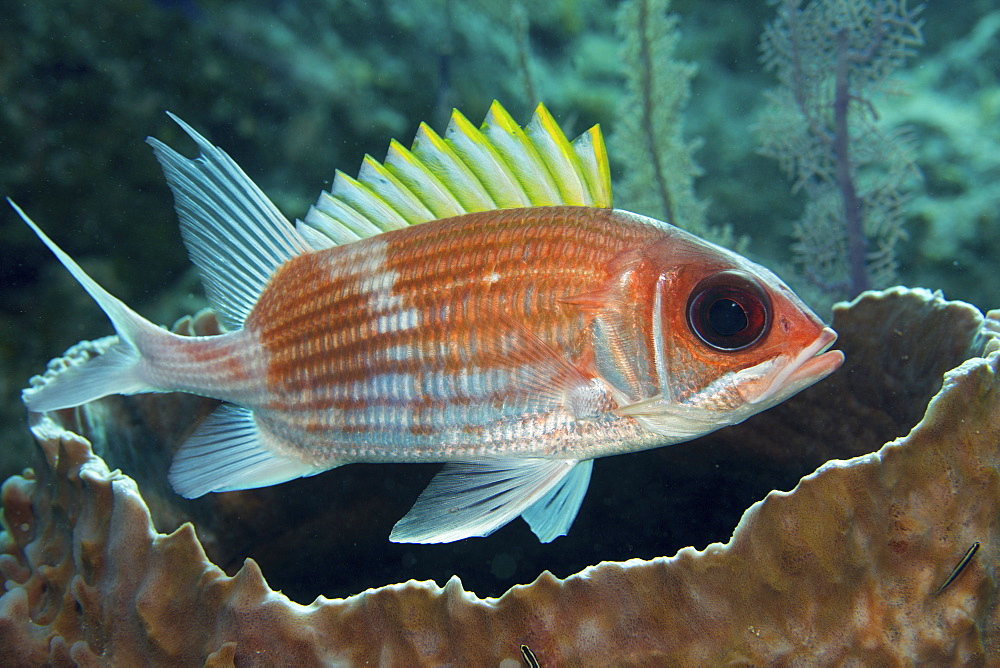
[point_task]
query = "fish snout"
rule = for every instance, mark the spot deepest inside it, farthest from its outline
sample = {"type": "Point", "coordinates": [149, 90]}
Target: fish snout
{"type": "Point", "coordinates": [790, 375]}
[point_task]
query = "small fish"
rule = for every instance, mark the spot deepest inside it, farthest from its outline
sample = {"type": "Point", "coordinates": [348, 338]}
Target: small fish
{"type": "Point", "coordinates": [474, 300]}
{"type": "Point", "coordinates": [959, 567]}
{"type": "Point", "coordinates": [529, 657]}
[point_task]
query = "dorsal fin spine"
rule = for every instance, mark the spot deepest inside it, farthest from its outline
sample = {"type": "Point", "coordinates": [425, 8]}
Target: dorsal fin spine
{"type": "Point", "coordinates": [442, 160]}
{"type": "Point", "coordinates": [511, 141]}
{"type": "Point", "coordinates": [593, 155]}
{"type": "Point", "coordinates": [496, 166]}
{"type": "Point", "coordinates": [413, 173]}
{"type": "Point", "coordinates": [556, 152]}
{"type": "Point", "coordinates": [398, 195]}
{"type": "Point", "coordinates": [368, 203]}
{"type": "Point", "coordinates": [484, 161]}
{"type": "Point", "coordinates": [337, 210]}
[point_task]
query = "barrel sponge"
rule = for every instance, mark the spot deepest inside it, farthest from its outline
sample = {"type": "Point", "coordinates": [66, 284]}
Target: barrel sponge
{"type": "Point", "coordinates": [847, 567]}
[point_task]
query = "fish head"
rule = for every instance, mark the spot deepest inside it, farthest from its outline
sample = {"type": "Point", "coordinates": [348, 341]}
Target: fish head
{"type": "Point", "coordinates": [727, 338]}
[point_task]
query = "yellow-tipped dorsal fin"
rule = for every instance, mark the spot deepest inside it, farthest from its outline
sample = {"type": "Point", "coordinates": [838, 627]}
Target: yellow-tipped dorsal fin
{"type": "Point", "coordinates": [497, 166]}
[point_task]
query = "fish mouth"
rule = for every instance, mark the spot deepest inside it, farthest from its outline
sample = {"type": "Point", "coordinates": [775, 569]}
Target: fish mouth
{"type": "Point", "coordinates": [813, 363]}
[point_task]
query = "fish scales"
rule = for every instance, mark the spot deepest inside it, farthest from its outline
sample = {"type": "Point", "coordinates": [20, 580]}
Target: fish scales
{"type": "Point", "coordinates": [217, 366]}
{"type": "Point", "coordinates": [333, 324]}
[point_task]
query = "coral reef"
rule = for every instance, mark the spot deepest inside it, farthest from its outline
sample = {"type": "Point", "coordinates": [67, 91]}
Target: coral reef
{"type": "Point", "coordinates": [848, 567]}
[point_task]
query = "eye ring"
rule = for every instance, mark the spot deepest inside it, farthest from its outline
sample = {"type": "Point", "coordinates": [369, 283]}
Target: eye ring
{"type": "Point", "coordinates": [729, 311]}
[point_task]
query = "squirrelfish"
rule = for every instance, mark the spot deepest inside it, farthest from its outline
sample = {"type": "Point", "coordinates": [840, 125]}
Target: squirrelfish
{"type": "Point", "coordinates": [474, 300]}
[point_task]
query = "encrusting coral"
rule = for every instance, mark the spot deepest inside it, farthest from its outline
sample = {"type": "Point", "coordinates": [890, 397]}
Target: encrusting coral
{"type": "Point", "coordinates": [856, 564]}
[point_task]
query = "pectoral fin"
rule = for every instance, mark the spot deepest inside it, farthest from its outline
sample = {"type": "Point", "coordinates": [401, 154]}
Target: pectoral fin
{"type": "Point", "coordinates": [476, 498]}
{"type": "Point", "coordinates": [546, 377]}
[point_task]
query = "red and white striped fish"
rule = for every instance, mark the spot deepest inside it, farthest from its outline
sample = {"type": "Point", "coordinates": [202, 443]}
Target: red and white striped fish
{"type": "Point", "coordinates": [475, 301]}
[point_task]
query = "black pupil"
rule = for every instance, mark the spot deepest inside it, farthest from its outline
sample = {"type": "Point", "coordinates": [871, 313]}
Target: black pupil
{"type": "Point", "coordinates": [727, 317]}
{"type": "Point", "coordinates": [729, 311]}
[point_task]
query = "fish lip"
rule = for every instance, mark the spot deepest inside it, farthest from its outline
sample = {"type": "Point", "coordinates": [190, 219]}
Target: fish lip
{"type": "Point", "coordinates": [812, 364]}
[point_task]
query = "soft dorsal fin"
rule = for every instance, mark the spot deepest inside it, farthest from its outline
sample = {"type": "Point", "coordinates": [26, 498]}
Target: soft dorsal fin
{"type": "Point", "coordinates": [497, 166]}
{"type": "Point", "coordinates": [234, 234]}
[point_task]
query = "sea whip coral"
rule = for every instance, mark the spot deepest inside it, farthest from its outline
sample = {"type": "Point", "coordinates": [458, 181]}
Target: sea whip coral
{"type": "Point", "coordinates": [846, 567]}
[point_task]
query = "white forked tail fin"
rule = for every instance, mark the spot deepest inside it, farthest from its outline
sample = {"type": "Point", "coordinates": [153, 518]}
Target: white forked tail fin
{"type": "Point", "coordinates": [117, 371]}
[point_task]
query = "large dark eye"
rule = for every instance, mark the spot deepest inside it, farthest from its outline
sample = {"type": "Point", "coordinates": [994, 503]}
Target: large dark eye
{"type": "Point", "coordinates": [729, 311]}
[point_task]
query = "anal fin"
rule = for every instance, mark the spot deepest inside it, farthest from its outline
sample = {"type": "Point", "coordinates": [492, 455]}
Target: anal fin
{"type": "Point", "coordinates": [476, 498]}
{"type": "Point", "coordinates": [227, 452]}
{"type": "Point", "coordinates": [553, 514]}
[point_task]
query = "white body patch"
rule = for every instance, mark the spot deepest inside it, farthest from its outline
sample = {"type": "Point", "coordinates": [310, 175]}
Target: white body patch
{"type": "Point", "coordinates": [401, 353]}
{"type": "Point", "coordinates": [401, 387]}
{"type": "Point", "coordinates": [397, 321]}
{"type": "Point", "coordinates": [377, 282]}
